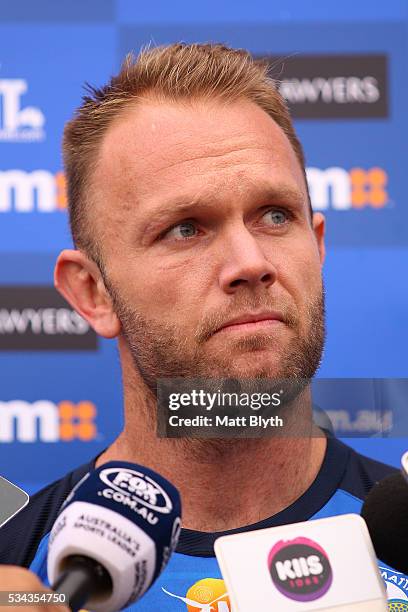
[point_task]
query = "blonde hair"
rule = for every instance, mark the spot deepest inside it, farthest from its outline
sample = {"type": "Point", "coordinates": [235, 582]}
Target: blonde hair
{"type": "Point", "coordinates": [173, 72]}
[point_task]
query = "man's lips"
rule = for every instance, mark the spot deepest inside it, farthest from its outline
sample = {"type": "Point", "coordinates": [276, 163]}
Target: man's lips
{"type": "Point", "coordinates": [251, 322]}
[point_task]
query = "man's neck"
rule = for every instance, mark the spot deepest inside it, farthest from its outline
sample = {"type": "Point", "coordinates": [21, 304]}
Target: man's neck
{"type": "Point", "coordinates": [224, 484]}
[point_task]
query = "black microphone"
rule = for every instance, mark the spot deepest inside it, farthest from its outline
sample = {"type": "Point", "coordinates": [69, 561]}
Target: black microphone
{"type": "Point", "coordinates": [113, 537]}
{"type": "Point", "coordinates": [385, 511]}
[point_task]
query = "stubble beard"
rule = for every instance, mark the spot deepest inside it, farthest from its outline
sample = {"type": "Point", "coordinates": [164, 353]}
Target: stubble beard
{"type": "Point", "coordinates": [161, 350]}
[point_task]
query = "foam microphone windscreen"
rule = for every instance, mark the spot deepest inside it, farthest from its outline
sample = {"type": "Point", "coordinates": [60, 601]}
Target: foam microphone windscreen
{"type": "Point", "coordinates": [385, 511]}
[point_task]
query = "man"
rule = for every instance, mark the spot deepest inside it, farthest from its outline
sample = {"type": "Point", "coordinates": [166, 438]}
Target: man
{"type": "Point", "coordinates": [197, 248]}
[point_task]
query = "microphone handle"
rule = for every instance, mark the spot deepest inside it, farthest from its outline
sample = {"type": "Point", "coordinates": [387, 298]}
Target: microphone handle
{"type": "Point", "coordinates": [81, 579]}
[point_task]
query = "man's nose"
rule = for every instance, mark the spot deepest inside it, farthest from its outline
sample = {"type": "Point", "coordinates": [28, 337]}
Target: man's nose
{"type": "Point", "coordinates": [245, 264]}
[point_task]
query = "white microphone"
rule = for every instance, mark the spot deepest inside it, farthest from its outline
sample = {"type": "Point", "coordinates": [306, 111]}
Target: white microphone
{"type": "Point", "coordinates": [113, 537]}
{"type": "Point", "coordinates": [404, 465]}
{"type": "Point", "coordinates": [326, 564]}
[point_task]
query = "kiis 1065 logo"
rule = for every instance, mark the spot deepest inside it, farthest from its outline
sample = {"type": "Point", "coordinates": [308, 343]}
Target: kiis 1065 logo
{"type": "Point", "coordinates": [300, 569]}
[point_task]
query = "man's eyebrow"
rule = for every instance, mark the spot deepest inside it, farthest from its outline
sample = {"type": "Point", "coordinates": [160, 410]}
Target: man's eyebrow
{"type": "Point", "coordinates": [179, 206]}
{"type": "Point", "coordinates": [171, 211]}
{"type": "Point", "coordinates": [288, 193]}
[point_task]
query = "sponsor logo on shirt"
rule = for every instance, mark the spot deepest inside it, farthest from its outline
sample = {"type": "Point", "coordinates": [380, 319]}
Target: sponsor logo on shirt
{"type": "Point", "coordinates": [397, 589]}
{"type": "Point", "coordinates": [206, 595]}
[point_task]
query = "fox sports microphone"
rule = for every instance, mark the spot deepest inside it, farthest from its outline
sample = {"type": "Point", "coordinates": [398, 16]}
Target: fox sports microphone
{"type": "Point", "coordinates": [113, 537]}
{"type": "Point", "coordinates": [385, 511]}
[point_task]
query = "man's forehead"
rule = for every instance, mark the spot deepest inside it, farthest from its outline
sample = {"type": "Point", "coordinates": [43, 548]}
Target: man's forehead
{"type": "Point", "coordinates": [159, 146]}
{"type": "Point", "coordinates": [155, 130]}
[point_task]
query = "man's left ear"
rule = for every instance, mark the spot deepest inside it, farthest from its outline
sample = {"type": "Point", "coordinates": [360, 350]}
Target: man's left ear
{"type": "Point", "coordinates": [80, 281]}
{"type": "Point", "coordinates": [319, 227]}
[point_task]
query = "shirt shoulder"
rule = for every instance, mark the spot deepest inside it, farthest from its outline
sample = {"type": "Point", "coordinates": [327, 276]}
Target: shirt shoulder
{"type": "Point", "coordinates": [20, 537]}
{"type": "Point", "coordinates": [362, 473]}
{"type": "Point", "coordinates": [356, 476]}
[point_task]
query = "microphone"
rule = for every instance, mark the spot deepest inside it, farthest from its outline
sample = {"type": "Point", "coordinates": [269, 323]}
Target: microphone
{"type": "Point", "coordinates": [404, 465]}
{"type": "Point", "coordinates": [113, 537]}
{"type": "Point", "coordinates": [325, 564]}
{"type": "Point", "coordinates": [12, 500]}
{"type": "Point", "coordinates": [385, 512]}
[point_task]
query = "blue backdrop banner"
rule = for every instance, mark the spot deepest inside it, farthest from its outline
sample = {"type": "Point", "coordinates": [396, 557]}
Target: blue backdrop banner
{"type": "Point", "coordinates": [343, 70]}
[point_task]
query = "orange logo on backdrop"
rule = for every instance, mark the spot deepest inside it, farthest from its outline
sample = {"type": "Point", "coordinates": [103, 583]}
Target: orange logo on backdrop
{"type": "Point", "coordinates": [77, 421]}
{"type": "Point", "coordinates": [368, 187]}
{"type": "Point", "coordinates": [61, 185]}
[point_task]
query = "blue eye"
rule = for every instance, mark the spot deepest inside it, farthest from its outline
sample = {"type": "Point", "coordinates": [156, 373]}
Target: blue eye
{"type": "Point", "coordinates": [182, 230]}
{"type": "Point", "coordinates": [278, 216]}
